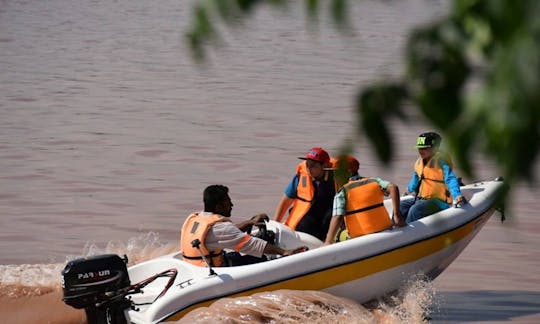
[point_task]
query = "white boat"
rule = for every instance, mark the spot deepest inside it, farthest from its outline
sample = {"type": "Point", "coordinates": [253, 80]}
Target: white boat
{"type": "Point", "coordinates": [363, 269]}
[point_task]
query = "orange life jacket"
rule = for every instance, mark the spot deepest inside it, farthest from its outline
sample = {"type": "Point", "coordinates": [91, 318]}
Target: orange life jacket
{"type": "Point", "coordinates": [196, 227]}
{"type": "Point", "coordinates": [431, 176]}
{"type": "Point", "coordinates": [365, 212]}
{"type": "Point", "coordinates": [305, 192]}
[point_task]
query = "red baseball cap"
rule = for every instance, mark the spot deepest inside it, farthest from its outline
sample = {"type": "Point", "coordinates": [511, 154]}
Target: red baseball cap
{"type": "Point", "coordinates": [317, 154]}
{"type": "Point", "coordinates": [346, 161]}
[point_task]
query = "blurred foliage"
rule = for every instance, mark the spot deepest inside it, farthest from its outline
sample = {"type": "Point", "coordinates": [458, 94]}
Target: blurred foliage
{"type": "Point", "coordinates": [474, 75]}
{"type": "Point", "coordinates": [207, 14]}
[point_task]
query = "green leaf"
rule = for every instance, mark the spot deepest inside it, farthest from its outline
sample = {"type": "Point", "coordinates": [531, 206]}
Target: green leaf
{"type": "Point", "coordinates": [375, 105]}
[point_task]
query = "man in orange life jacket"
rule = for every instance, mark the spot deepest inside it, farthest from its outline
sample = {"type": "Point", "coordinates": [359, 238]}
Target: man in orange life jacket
{"type": "Point", "coordinates": [360, 203]}
{"type": "Point", "coordinates": [433, 182]}
{"type": "Point", "coordinates": [310, 193]}
{"type": "Point", "coordinates": [213, 228]}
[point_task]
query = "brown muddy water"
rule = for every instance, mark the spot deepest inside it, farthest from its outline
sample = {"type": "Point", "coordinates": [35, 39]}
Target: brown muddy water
{"type": "Point", "coordinates": [109, 133]}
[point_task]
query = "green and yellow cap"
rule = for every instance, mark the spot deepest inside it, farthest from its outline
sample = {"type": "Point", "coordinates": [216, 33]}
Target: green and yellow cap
{"type": "Point", "coordinates": [429, 139]}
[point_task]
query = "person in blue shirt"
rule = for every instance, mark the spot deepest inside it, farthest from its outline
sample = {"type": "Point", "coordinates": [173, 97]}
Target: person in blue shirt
{"type": "Point", "coordinates": [433, 184]}
{"type": "Point", "coordinates": [309, 195]}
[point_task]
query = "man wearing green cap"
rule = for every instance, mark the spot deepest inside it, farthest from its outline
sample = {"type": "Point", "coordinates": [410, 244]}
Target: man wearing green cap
{"type": "Point", "coordinates": [433, 182]}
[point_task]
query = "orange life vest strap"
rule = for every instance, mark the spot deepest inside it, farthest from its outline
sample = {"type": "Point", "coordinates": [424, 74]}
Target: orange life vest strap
{"type": "Point", "coordinates": [211, 255]}
{"type": "Point", "coordinates": [242, 243]}
{"type": "Point", "coordinates": [364, 209]}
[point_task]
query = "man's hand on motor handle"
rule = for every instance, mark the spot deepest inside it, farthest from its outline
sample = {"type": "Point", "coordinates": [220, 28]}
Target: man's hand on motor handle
{"type": "Point", "coordinates": [259, 218]}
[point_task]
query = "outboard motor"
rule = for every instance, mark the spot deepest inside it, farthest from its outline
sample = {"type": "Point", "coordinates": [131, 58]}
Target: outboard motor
{"type": "Point", "coordinates": [99, 285]}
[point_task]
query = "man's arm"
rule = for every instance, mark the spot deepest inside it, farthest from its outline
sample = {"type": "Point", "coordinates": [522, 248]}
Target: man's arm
{"type": "Point", "coordinates": [282, 207]}
{"type": "Point", "coordinates": [452, 183]}
{"type": "Point", "coordinates": [335, 224]}
{"type": "Point", "coordinates": [393, 190]}
{"type": "Point", "coordinates": [248, 224]}
{"type": "Point", "coordinates": [413, 184]}
{"type": "Point", "coordinates": [287, 199]}
{"type": "Point", "coordinates": [338, 212]}
{"type": "Point", "coordinates": [272, 249]}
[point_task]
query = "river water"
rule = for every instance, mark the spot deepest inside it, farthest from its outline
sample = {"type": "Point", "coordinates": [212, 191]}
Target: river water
{"type": "Point", "coordinates": [110, 132]}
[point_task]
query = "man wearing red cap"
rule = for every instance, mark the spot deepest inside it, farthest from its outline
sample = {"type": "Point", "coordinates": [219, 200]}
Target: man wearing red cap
{"type": "Point", "coordinates": [309, 194]}
{"type": "Point", "coordinates": [360, 203]}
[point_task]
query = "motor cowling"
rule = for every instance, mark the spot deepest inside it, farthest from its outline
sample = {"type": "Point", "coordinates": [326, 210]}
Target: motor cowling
{"type": "Point", "coordinates": [90, 281]}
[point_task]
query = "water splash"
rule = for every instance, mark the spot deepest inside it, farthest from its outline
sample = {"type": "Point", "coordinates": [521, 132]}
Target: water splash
{"type": "Point", "coordinates": [282, 306]}
{"type": "Point", "coordinates": [413, 303]}
{"type": "Point", "coordinates": [31, 293]}
{"type": "Point", "coordinates": [410, 305]}
{"type": "Point", "coordinates": [138, 249]}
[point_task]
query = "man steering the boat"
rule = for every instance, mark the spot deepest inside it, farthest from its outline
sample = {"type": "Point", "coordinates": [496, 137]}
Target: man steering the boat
{"type": "Point", "coordinates": [433, 184]}
{"type": "Point", "coordinates": [215, 232]}
{"type": "Point", "coordinates": [360, 203]}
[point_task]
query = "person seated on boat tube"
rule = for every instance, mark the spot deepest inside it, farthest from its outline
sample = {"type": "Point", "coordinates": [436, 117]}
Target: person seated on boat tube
{"type": "Point", "coordinates": [360, 204]}
{"type": "Point", "coordinates": [213, 228]}
{"type": "Point", "coordinates": [433, 183]}
{"type": "Point", "coordinates": [308, 196]}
